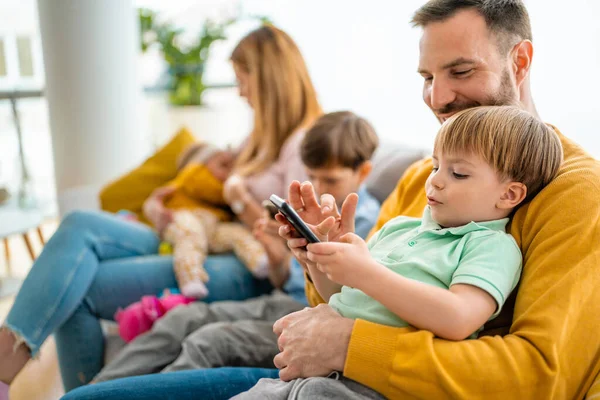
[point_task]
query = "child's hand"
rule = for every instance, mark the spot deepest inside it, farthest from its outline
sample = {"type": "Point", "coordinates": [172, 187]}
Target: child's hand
{"type": "Point", "coordinates": [346, 262]}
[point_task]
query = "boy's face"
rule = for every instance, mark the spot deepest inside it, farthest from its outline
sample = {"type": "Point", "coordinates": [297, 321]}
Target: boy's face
{"type": "Point", "coordinates": [338, 181]}
{"type": "Point", "coordinates": [464, 188]}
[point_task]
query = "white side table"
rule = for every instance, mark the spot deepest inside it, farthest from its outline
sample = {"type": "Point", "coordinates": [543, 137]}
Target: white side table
{"type": "Point", "coordinates": [17, 221]}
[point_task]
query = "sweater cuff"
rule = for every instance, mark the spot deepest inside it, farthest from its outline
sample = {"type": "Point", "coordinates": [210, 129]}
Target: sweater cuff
{"type": "Point", "coordinates": [371, 353]}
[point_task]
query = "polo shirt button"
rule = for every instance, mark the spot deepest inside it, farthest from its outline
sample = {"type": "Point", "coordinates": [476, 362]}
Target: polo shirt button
{"type": "Point", "coordinates": [412, 243]}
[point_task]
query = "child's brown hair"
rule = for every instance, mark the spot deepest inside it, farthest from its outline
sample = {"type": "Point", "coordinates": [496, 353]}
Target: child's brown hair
{"type": "Point", "coordinates": [513, 142]}
{"type": "Point", "coordinates": [339, 139]}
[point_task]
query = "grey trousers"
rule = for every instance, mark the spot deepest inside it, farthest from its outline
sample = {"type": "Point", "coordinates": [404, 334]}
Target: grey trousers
{"type": "Point", "coordinates": [333, 387]}
{"type": "Point", "coordinates": [200, 335]}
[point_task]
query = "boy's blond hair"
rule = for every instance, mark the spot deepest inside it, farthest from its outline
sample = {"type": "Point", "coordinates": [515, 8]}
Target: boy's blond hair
{"type": "Point", "coordinates": [339, 138]}
{"type": "Point", "coordinates": [517, 145]}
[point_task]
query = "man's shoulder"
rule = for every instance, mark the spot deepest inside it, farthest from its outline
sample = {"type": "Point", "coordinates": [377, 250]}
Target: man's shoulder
{"type": "Point", "coordinates": [570, 200]}
{"type": "Point", "coordinates": [579, 172]}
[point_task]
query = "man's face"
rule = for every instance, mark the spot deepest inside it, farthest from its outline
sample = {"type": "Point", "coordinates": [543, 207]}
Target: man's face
{"type": "Point", "coordinates": [462, 66]}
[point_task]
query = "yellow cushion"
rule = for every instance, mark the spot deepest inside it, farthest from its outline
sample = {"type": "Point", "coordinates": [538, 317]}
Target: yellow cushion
{"type": "Point", "coordinates": [131, 190]}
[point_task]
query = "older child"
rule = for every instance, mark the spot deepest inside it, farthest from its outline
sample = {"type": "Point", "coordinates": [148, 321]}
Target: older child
{"type": "Point", "coordinates": [450, 271]}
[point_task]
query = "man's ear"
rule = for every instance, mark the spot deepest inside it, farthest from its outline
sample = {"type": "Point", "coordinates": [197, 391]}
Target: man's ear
{"type": "Point", "coordinates": [364, 170]}
{"type": "Point", "coordinates": [522, 55]}
{"type": "Point", "coordinates": [514, 195]}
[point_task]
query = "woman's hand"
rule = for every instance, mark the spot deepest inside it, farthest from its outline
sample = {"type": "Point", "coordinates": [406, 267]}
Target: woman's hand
{"type": "Point", "coordinates": [235, 189]}
{"type": "Point", "coordinates": [154, 208]}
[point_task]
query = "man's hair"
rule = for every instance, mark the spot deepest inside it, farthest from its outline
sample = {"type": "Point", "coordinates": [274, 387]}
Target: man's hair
{"type": "Point", "coordinates": [339, 139]}
{"type": "Point", "coordinates": [507, 19]}
{"type": "Point", "coordinates": [513, 142]}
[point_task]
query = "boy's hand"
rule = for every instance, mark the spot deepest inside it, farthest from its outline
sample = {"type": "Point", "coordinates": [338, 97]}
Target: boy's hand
{"type": "Point", "coordinates": [346, 262]}
{"type": "Point", "coordinates": [323, 219]}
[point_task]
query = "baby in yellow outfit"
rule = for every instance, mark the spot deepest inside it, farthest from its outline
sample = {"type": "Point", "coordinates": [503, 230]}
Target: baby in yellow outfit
{"type": "Point", "coordinates": [202, 224]}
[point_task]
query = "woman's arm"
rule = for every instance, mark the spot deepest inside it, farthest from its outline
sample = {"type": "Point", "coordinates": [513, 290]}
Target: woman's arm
{"type": "Point", "coordinates": [236, 194]}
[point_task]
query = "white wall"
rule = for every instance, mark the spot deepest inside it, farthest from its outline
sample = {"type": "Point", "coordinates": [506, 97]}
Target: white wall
{"type": "Point", "coordinates": [363, 56]}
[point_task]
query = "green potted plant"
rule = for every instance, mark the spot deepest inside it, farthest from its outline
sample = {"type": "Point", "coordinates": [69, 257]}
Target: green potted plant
{"type": "Point", "coordinates": [186, 63]}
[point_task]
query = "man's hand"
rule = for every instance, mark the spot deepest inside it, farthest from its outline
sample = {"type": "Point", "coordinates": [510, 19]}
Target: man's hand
{"type": "Point", "coordinates": [154, 208]}
{"type": "Point", "coordinates": [347, 262]}
{"type": "Point", "coordinates": [312, 342]}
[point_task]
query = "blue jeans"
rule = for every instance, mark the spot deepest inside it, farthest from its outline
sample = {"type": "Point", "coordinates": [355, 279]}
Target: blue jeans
{"type": "Point", "coordinates": [94, 264]}
{"type": "Point", "coordinates": [205, 384]}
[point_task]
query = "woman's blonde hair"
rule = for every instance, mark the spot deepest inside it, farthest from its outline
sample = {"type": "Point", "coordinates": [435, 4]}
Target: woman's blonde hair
{"type": "Point", "coordinates": [283, 96]}
{"type": "Point", "coordinates": [517, 145]}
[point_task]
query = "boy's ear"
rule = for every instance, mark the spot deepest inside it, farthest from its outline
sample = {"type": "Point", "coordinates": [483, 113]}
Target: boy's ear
{"type": "Point", "coordinates": [514, 194]}
{"type": "Point", "coordinates": [364, 170]}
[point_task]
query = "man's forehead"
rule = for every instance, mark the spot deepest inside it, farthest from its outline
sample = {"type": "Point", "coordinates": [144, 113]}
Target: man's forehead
{"type": "Point", "coordinates": [464, 36]}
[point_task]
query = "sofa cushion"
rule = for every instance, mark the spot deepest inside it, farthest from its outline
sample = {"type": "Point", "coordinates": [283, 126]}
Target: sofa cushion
{"type": "Point", "coordinates": [131, 190]}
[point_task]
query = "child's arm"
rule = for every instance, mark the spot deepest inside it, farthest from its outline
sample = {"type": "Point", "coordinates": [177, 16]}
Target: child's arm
{"type": "Point", "coordinates": [323, 284]}
{"type": "Point", "coordinates": [452, 314]}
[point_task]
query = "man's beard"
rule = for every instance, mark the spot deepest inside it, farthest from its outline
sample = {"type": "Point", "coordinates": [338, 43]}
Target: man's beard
{"type": "Point", "coordinates": [506, 95]}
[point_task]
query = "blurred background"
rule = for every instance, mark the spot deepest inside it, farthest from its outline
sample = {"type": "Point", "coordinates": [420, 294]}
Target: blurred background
{"type": "Point", "coordinates": [362, 56]}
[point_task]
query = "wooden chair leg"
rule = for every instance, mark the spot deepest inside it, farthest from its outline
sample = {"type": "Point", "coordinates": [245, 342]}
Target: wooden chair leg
{"type": "Point", "coordinates": [29, 247]}
{"type": "Point", "coordinates": [7, 257]}
{"type": "Point", "coordinates": [40, 235]}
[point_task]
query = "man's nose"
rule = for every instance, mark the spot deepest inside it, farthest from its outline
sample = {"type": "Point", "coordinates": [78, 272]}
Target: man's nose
{"type": "Point", "coordinates": [441, 94]}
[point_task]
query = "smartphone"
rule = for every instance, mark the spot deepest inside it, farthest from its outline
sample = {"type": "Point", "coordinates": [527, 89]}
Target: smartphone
{"type": "Point", "coordinates": [290, 214]}
{"type": "Point", "coordinates": [270, 207]}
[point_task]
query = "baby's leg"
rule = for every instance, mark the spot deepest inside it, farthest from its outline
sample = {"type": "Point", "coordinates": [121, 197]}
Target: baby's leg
{"type": "Point", "coordinates": [189, 234]}
{"type": "Point", "coordinates": [249, 250]}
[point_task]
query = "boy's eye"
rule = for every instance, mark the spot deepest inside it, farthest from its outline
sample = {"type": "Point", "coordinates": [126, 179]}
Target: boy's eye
{"type": "Point", "coordinates": [460, 176]}
{"type": "Point", "coordinates": [434, 169]}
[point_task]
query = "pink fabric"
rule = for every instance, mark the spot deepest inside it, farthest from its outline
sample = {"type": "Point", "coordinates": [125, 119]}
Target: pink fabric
{"type": "Point", "coordinates": [139, 317]}
{"type": "Point", "coordinates": [277, 178]}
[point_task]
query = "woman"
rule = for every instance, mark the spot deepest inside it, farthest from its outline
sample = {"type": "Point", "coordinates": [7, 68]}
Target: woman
{"type": "Point", "coordinates": [96, 263]}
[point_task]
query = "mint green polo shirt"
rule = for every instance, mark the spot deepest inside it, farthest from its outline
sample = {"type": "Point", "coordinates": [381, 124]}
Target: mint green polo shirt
{"type": "Point", "coordinates": [480, 254]}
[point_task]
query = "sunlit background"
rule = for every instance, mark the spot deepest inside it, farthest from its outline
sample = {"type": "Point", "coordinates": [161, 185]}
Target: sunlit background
{"type": "Point", "coordinates": [362, 56]}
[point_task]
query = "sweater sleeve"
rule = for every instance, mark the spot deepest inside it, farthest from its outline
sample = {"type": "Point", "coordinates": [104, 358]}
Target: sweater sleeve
{"type": "Point", "coordinates": [552, 350]}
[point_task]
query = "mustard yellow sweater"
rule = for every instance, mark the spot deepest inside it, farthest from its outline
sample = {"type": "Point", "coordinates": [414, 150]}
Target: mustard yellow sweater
{"type": "Point", "coordinates": [553, 348]}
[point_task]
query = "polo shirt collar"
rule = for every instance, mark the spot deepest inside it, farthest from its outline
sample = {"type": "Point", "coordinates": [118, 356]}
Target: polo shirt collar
{"type": "Point", "coordinates": [428, 224]}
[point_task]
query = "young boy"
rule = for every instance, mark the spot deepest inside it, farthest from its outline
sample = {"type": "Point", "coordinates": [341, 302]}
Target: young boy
{"type": "Point", "coordinates": [337, 151]}
{"type": "Point", "coordinates": [452, 270]}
